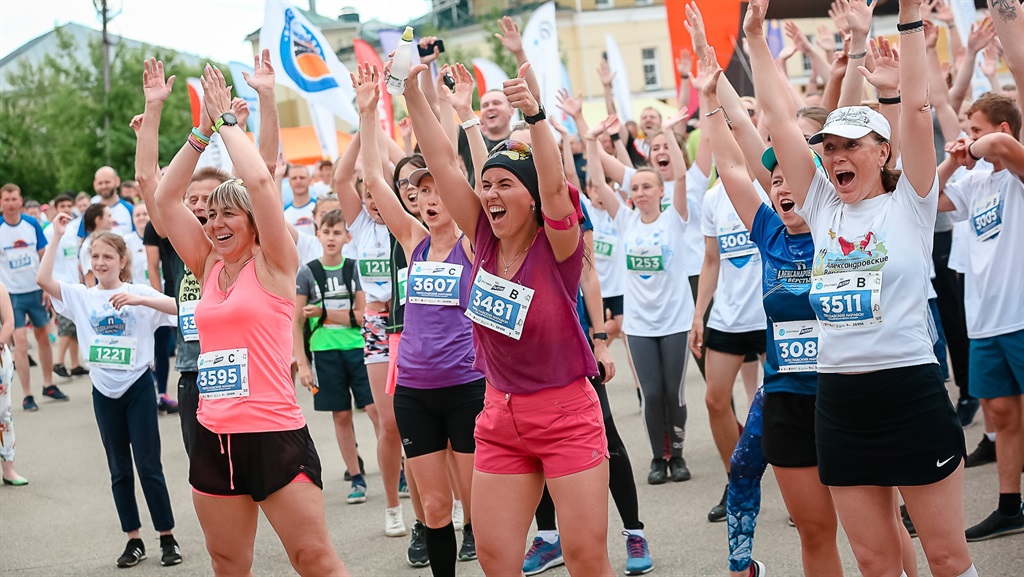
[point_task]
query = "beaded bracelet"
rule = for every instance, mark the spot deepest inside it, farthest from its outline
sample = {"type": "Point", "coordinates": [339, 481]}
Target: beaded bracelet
{"type": "Point", "coordinates": [857, 56]}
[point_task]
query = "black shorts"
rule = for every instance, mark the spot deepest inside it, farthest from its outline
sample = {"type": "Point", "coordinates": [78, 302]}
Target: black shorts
{"type": "Point", "coordinates": [428, 419]}
{"type": "Point", "coordinates": [188, 406]}
{"type": "Point", "coordinates": [613, 304]}
{"type": "Point", "coordinates": [788, 437]}
{"type": "Point", "coordinates": [747, 345]}
{"type": "Point", "coordinates": [889, 428]}
{"type": "Point", "coordinates": [340, 376]}
{"type": "Point", "coordinates": [254, 464]}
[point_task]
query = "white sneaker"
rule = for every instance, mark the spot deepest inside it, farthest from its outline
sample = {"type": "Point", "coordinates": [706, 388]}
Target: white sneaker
{"type": "Point", "coordinates": [458, 516]}
{"type": "Point", "coordinates": [394, 523]}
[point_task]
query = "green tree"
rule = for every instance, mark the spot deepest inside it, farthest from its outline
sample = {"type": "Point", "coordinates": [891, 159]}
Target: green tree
{"type": "Point", "coordinates": [52, 121]}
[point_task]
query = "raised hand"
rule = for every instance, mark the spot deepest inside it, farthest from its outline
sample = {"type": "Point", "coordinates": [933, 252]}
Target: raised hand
{"type": "Point", "coordinates": [612, 125]}
{"type": "Point", "coordinates": [695, 27]}
{"type": "Point", "coordinates": [604, 72]}
{"type": "Point", "coordinates": [405, 126]}
{"type": "Point", "coordinates": [425, 42]}
{"type": "Point", "coordinates": [826, 39]}
{"type": "Point", "coordinates": [509, 35]}
{"type": "Point", "coordinates": [136, 123]}
{"type": "Point", "coordinates": [412, 82]}
{"type": "Point", "coordinates": [684, 65]}
{"type": "Point", "coordinates": [931, 35]}
{"type": "Point", "coordinates": [518, 92]}
{"type": "Point", "coordinates": [673, 120]}
{"type": "Point", "coordinates": [858, 14]}
{"type": "Point", "coordinates": [838, 13]}
{"type": "Point", "coordinates": [981, 35]}
{"type": "Point", "coordinates": [262, 78]}
{"type": "Point", "coordinates": [787, 53]}
{"type": "Point", "coordinates": [216, 93]}
{"type": "Point", "coordinates": [240, 108]}
{"type": "Point", "coordinates": [462, 98]}
{"type": "Point", "coordinates": [60, 224]}
{"type": "Point", "coordinates": [753, 22]}
{"type": "Point", "coordinates": [710, 71]}
{"type": "Point", "coordinates": [154, 87]}
{"type": "Point", "coordinates": [569, 104]}
{"type": "Point", "coordinates": [886, 74]}
{"type": "Point", "coordinates": [944, 12]}
{"type": "Point", "coordinates": [367, 87]}
{"type": "Point", "coordinates": [799, 39]}
{"type": "Point", "coordinates": [991, 60]}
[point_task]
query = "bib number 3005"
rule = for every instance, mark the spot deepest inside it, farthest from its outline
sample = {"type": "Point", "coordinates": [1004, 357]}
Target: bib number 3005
{"type": "Point", "coordinates": [223, 374]}
{"type": "Point", "coordinates": [987, 217]}
{"type": "Point", "coordinates": [848, 300]}
{"type": "Point", "coordinates": [498, 304]}
{"type": "Point", "coordinates": [796, 346]}
{"type": "Point", "coordinates": [116, 353]}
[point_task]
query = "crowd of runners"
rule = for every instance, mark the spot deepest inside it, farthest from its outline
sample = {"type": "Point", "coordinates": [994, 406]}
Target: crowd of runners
{"type": "Point", "coordinates": [861, 241]}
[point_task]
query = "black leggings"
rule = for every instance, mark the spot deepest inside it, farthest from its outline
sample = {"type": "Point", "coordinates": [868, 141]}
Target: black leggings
{"type": "Point", "coordinates": [620, 477]}
{"type": "Point", "coordinates": [949, 287]}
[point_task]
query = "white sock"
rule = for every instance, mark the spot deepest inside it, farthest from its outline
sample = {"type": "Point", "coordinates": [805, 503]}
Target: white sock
{"type": "Point", "coordinates": [971, 572]}
{"type": "Point", "coordinates": [548, 536]}
{"type": "Point", "coordinates": [637, 532]}
{"type": "Point", "coordinates": [991, 437]}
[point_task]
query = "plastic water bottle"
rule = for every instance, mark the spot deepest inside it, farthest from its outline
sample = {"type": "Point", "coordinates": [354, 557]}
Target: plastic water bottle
{"type": "Point", "coordinates": [401, 63]}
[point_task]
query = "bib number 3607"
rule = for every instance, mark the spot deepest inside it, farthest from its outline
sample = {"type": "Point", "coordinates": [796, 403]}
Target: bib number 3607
{"type": "Point", "coordinates": [223, 374]}
{"type": "Point", "coordinates": [499, 304]}
{"type": "Point", "coordinates": [848, 300]}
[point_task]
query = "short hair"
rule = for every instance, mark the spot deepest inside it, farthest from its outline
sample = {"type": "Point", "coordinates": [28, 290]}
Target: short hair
{"type": "Point", "coordinates": [325, 164]}
{"type": "Point", "coordinates": [998, 109]}
{"type": "Point", "coordinates": [10, 187]}
{"type": "Point", "coordinates": [333, 217]}
{"type": "Point", "coordinates": [63, 197]}
{"type": "Point", "coordinates": [233, 194]}
{"type": "Point", "coordinates": [92, 214]}
{"type": "Point", "coordinates": [209, 173]}
{"type": "Point", "coordinates": [651, 170]}
{"type": "Point", "coordinates": [31, 203]}
{"type": "Point", "coordinates": [82, 195]}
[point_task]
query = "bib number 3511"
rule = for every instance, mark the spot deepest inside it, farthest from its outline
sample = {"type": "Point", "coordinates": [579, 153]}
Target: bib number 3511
{"type": "Point", "coordinates": [223, 374]}
{"type": "Point", "coordinates": [848, 300]}
{"type": "Point", "coordinates": [499, 304]}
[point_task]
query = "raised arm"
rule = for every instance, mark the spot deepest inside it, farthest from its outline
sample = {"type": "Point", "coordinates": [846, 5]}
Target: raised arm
{"type": "Point", "coordinates": [949, 120]}
{"type": "Point", "coordinates": [981, 35]}
{"type": "Point", "coordinates": [819, 65]}
{"type": "Point", "coordinates": [607, 77]}
{"type": "Point", "coordinates": [744, 131]}
{"type": "Point", "coordinates": [147, 145]}
{"type": "Point", "coordinates": [457, 195]}
{"type": "Point", "coordinates": [462, 102]}
{"type": "Point", "coordinates": [1008, 17]}
{"type": "Point", "coordinates": [565, 148]}
{"type": "Point", "coordinates": [886, 79]}
{"type": "Point", "coordinates": [262, 81]}
{"type": "Point", "coordinates": [998, 147]}
{"type": "Point", "coordinates": [684, 65]}
{"type": "Point", "coordinates": [403, 225]}
{"type": "Point", "coordinates": [915, 112]}
{"type": "Point", "coordinates": [609, 199]}
{"type": "Point", "coordinates": [858, 14]}
{"type": "Point", "coordinates": [729, 158]}
{"type": "Point", "coordinates": [348, 197]}
{"type": "Point", "coordinates": [512, 40]}
{"type": "Point", "coordinates": [678, 163]}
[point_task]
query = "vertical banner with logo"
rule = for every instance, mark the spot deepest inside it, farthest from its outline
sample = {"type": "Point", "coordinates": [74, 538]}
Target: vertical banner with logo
{"type": "Point", "coordinates": [215, 154]}
{"type": "Point", "coordinates": [540, 41]}
{"type": "Point", "coordinates": [385, 108]}
{"type": "Point", "coordinates": [326, 129]}
{"type": "Point", "coordinates": [305, 62]}
{"type": "Point", "coordinates": [620, 84]}
{"type": "Point", "coordinates": [246, 93]}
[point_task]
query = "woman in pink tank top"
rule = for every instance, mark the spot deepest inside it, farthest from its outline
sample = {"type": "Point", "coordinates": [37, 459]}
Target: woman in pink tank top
{"type": "Point", "coordinates": [252, 449]}
{"type": "Point", "coordinates": [541, 420]}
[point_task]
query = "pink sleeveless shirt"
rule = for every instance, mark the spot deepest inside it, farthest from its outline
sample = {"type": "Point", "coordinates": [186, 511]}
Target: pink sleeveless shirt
{"type": "Point", "coordinates": [249, 317]}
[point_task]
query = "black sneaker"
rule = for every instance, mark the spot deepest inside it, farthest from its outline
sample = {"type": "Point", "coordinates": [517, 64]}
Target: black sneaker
{"type": "Point", "coordinates": [996, 525]}
{"type": "Point", "coordinates": [61, 371]}
{"type": "Point", "coordinates": [907, 522]}
{"type": "Point", "coordinates": [468, 550]}
{"type": "Point", "coordinates": [79, 372]}
{"type": "Point", "coordinates": [170, 553]}
{"type": "Point", "coordinates": [29, 404]}
{"type": "Point", "coordinates": [54, 393]}
{"type": "Point", "coordinates": [134, 552]}
{"type": "Point", "coordinates": [966, 409]}
{"type": "Point", "coordinates": [718, 513]}
{"type": "Point", "coordinates": [677, 470]}
{"type": "Point", "coordinates": [417, 554]}
{"type": "Point", "coordinates": [659, 472]}
{"type": "Point", "coordinates": [984, 453]}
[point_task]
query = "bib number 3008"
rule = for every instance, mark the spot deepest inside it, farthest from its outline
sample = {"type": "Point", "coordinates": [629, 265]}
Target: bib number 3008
{"type": "Point", "coordinates": [499, 304]}
{"type": "Point", "coordinates": [223, 374]}
{"type": "Point", "coordinates": [848, 300]}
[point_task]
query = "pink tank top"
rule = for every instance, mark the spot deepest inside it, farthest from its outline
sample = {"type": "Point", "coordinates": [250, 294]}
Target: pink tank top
{"type": "Point", "coordinates": [247, 317]}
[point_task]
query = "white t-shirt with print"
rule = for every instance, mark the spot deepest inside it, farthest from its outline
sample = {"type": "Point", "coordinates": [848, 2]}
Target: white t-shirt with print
{"type": "Point", "coordinates": [869, 284]}
{"type": "Point", "coordinates": [371, 248]}
{"type": "Point", "coordinates": [609, 258]}
{"type": "Point", "coordinates": [94, 316]}
{"type": "Point", "coordinates": [301, 217]}
{"type": "Point", "coordinates": [657, 300]}
{"type": "Point", "coordinates": [140, 260]}
{"type": "Point", "coordinates": [990, 202]}
{"type": "Point", "coordinates": [19, 254]}
{"type": "Point", "coordinates": [737, 307]}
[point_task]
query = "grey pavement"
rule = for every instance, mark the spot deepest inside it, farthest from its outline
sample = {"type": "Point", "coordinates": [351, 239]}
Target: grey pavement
{"type": "Point", "coordinates": [64, 522]}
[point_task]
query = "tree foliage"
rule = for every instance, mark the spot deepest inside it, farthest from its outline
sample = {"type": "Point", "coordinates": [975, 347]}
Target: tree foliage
{"type": "Point", "coordinates": [52, 122]}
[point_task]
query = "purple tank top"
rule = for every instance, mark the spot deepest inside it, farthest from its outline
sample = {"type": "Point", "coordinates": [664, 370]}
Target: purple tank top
{"type": "Point", "coordinates": [552, 350]}
{"type": "Point", "coordinates": [437, 345]}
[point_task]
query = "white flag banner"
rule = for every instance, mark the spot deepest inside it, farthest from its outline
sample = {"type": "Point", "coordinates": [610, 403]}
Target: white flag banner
{"type": "Point", "coordinates": [620, 84]}
{"type": "Point", "coordinates": [540, 41]}
{"type": "Point", "coordinates": [965, 14]}
{"type": "Point", "coordinates": [215, 154]}
{"type": "Point", "coordinates": [305, 62]}
{"type": "Point", "coordinates": [489, 76]}
{"type": "Point", "coordinates": [326, 130]}
{"type": "Point", "coordinates": [246, 92]}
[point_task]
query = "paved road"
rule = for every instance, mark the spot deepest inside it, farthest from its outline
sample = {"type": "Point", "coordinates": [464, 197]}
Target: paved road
{"type": "Point", "coordinates": [64, 522]}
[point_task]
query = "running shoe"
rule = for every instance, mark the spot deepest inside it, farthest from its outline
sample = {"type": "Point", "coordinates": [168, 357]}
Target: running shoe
{"type": "Point", "coordinates": [79, 372]}
{"type": "Point", "coordinates": [403, 487]}
{"type": "Point", "coordinates": [417, 554]}
{"type": "Point", "coordinates": [134, 552]}
{"type": "Point", "coordinates": [166, 404]}
{"type": "Point", "coordinates": [458, 515]}
{"type": "Point", "coordinates": [357, 494]}
{"type": "Point", "coordinates": [983, 454]}
{"type": "Point", "coordinates": [61, 371]}
{"type": "Point", "coordinates": [966, 409]}
{"type": "Point", "coordinates": [996, 525]}
{"type": "Point", "coordinates": [468, 550]}
{"type": "Point", "coordinates": [677, 470]}
{"type": "Point", "coordinates": [659, 472]}
{"type": "Point", "coordinates": [757, 568]}
{"type": "Point", "coordinates": [907, 522]}
{"type": "Point", "coordinates": [170, 553]}
{"type": "Point", "coordinates": [718, 512]}
{"type": "Point", "coordinates": [638, 555]}
{"type": "Point", "coordinates": [542, 556]}
{"type": "Point", "coordinates": [54, 393]}
{"type": "Point", "coordinates": [29, 403]}
{"type": "Point", "coordinates": [394, 524]}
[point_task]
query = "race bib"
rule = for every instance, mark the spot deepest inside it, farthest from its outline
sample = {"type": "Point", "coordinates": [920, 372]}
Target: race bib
{"type": "Point", "coordinates": [375, 265]}
{"type": "Point", "coordinates": [604, 245]}
{"type": "Point", "coordinates": [187, 320]}
{"type": "Point", "coordinates": [223, 374]}
{"type": "Point", "coordinates": [434, 283]}
{"type": "Point", "coordinates": [403, 284]}
{"type": "Point", "coordinates": [116, 353]}
{"type": "Point", "coordinates": [734, 240]}
{"type": "Point", "coordinates": [796, 346]}
{"type": "Point", "coordinates": [645, 260]}
{"type": "Point", "coordinates": [848, 300]}
{"type": "Point", "coordinates": [70, 252]}
{"type": "Point", "coordinates": [19, 259]}
{"type": "Point", "coordinates": [987, 217]}
{"type": "Point", "coordinates": [498, 304]}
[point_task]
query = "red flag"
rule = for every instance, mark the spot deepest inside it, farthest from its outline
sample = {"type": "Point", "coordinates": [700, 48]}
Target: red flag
{"type": "Point", "coordinates": [366, 53]}
{"type": "Point", "coordinates": [721, 21]}
{"type": "Point", "coordinates": [195, 98]}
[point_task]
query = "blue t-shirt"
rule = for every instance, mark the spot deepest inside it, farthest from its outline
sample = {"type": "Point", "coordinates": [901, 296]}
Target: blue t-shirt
{"type": "Point", "coordinates": [786, 284]}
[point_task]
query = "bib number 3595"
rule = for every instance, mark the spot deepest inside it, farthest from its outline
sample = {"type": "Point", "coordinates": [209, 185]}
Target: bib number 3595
{"type": "Point", "coordinates": [499, 304]}
{"type": "Point", "coordinates": [223, 374]}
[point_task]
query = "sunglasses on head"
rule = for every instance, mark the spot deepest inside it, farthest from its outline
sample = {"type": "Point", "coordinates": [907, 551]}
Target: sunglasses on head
{"type": "Point", "coordinates": [510, 146]}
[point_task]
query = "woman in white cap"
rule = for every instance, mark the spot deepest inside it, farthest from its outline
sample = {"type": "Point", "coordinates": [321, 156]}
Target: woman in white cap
{"type": "Point", "coordinates": [883, 417]}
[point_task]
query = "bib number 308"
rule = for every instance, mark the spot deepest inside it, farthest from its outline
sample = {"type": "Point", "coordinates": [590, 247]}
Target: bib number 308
{"type": "Point", "coordinates": [796, 346]}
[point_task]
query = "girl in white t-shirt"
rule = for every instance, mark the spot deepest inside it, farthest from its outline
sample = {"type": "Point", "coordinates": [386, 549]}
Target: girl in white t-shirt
{"type": "Point", "coordinates": [116, 320]}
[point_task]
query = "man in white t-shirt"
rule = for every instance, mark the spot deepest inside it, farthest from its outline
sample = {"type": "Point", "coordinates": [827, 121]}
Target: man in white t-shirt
{"type": "Point", "coordinates": [21, 246]}
{"type": "Point", "coordinates": [106, 184]}
{"type": "Point", "coordinates": [299, 212]}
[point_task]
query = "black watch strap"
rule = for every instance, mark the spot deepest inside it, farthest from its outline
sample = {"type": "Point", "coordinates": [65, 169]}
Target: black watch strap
{"type": "Point", "coordinates": [541, 115]}
{"type": "Point", "coordinates": [601, 337]}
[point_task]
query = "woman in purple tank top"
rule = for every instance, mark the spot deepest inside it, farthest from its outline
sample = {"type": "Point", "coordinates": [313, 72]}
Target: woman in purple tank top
{"type": "Point", "coordinates": [438, 394]}
{"type": "Point", "coordinates": [541, 420]}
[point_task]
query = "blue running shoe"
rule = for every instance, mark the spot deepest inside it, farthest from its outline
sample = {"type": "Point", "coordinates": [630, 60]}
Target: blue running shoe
{"type": "Point", "coordinates": [542, 556]}
{"type": "Point", "coordinates": [638, 555]}
{"type": "Point", "coordinates": [403, 487]}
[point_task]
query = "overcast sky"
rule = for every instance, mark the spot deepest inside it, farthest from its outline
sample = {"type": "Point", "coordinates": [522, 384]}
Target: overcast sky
{"type": "Point", "coordinates": [213, 28]}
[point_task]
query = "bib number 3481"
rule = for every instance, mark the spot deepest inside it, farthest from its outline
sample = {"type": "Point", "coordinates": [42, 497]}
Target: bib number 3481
{"type": "Point", "coordinates": [499, 304]}
{"type": "Point", "coordinates": [223, 374]}
{"type": "Point", "coordinates": [848, 300]}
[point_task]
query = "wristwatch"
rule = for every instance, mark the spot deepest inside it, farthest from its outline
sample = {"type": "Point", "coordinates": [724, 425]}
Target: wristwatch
{"type": "Point", "coordinates": [531, 120]}
{"type": "Point", "coordinates": [226, 119]}
{"type": "Point", "coordinates": [601, 337]}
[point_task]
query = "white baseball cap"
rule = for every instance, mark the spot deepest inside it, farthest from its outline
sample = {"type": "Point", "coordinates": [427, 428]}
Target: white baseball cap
{"type": "Point", "coordinates": [853, 122]}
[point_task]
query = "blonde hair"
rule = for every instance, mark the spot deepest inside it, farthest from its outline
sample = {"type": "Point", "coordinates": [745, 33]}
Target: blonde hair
{"type": "Point", "coordinates": [117, 243]}
{"type": "Point", "coordinates": [233, 194]}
